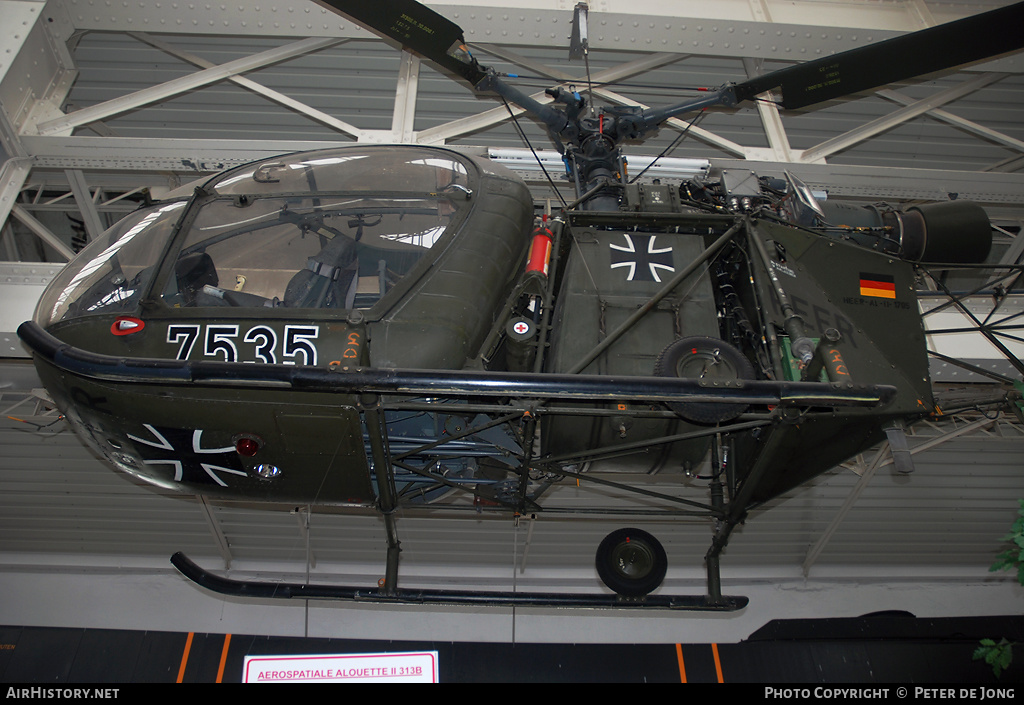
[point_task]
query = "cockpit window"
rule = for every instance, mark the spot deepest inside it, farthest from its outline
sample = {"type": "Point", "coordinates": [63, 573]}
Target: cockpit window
{"type": "Point", "coordinates": [331, 229]}
{"type": "Point", "coordinates": [111, 274]}
{"type": "Point", "coordinates": [351, 170]}
{"type": "Point", "coordinates": [323, 252]}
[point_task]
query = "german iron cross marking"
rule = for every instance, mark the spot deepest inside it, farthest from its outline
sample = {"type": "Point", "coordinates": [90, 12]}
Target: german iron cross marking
{"type": "Point", "coordinates": [183, 451]}
{"type": "Point", "coordinates": [642, 258]}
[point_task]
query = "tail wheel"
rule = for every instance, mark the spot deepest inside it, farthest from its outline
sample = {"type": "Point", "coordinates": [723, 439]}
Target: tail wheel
{"type": "Point", "coordinates": [631, 562]}
{"type": "Point", "coordinates": [704, 358]}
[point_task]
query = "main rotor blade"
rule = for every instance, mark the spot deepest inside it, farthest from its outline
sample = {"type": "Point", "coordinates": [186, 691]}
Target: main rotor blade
{"type": "Point", "coordinates": [416, 27]}
{"type": "Point", "coordinates": [934, 49]}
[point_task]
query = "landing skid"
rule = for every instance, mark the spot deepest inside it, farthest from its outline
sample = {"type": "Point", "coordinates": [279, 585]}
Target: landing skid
{"type": "Point", "coordinates": [257, 589]}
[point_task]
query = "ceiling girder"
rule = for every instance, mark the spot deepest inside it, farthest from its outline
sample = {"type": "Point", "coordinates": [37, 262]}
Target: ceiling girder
{"type": "Point", "coordinates": [771, 120]}
{"type": "Point", "coordinates": [404, 117]}
{"type": "Point", "coordinates": [13, 174]}
{"type": "Point", "coordinates": [268, 93]}
{"type": "Point", "coordinates": [201, 157]}
{"type": "Point", "coordinates": [866, 131]}
{"type": "Point", "coordinates": [957, 121]}
{"type": "Point", "coordinates": [753, 30]}
{"type": "Point", "coordinates": [42, 232]}
{"type": "Point", "coordinates": [86, 205]}
{"type": "Point", "coordinates": [784, 30]}
{"type": "Point", "coordinates": [169, 89]}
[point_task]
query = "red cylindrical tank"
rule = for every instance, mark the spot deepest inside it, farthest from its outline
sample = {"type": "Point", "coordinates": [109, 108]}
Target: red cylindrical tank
{"type": "Point", "coordinates": [540, 250]}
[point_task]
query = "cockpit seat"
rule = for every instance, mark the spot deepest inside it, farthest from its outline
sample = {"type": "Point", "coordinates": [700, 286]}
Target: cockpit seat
{"type": "Point", "coordinates": [192, 273]}
{"type": "Point", "coordinates": [329, 279]}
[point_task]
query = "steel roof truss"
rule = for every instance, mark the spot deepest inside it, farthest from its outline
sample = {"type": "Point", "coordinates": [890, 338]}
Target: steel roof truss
{"type": "Point", "coordinates": [957, 121]}
{"type": "Point", "coordinates": [42, 232]}
{"type": "Point", "coordinates": [887, 122]}
{"type": "Point", "coordinates": [771, 120]}
{"type": "Point", "coordinates": [257, 88]}
{"type": "Point", "coordinates": [86, 205]}
{"type": "Point", "coordinates": [170, 89]}
{"type": "Point", "coordinates": [404, 118]}
{"type": "Point", "coordinates": [13, 174]}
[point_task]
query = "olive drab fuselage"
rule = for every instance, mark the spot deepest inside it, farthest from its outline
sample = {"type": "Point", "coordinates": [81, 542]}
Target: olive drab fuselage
{"type": "Point", "coordinates": [363, 260]}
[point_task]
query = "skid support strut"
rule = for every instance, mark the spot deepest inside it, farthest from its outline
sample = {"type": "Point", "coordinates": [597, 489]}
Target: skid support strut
{"type": "Point", "coordinates": [387, 495]}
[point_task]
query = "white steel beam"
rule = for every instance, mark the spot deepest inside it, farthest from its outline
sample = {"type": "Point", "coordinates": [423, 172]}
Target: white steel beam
{"type": "Point", "coordinates": [404, 118]}
{"type": "Point", "coordinates": [33, 65]}
{"type": "Point", "coordinates": [12, 177]}
{"type": "Point", "coordinates": [86, 206]}
{"type": "Point", "coordinates": [42, 232]}
{"type": "Point", "coordinates": [10, 247]}
{"type": "Point", "coordinates": [268, 93]}
{"type": "Point", "coordinates": [169, 89]}
{"type": "Point", "coordinates": [869, 130]}
{"type": "Point", "coordinates": [957, 121]}
{"type": "Point", "coordinates": [771, 120]}
{"type": "Point", "coordinates": [182, 156]}
{"type": "Point", "coordinates": [1009, 165]}
{"type": "Point", "coordinates": [463, 126]}
{"type": "Point", "coordinates": [920, 14]}
{"type": "Point", "coordinates": [197, 157]}
{"type": "Point", "coordinates": [785, 30]}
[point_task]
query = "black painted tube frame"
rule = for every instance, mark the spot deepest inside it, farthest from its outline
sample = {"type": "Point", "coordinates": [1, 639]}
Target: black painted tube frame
{"type": "Point", "coordinates": [460, 383]}
{"type": "Point", "coordinates": [268, 590]}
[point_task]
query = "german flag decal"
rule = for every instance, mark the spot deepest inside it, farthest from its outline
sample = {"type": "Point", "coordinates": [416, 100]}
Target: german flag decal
{"type": "Point", "coordinates": [882, 286]}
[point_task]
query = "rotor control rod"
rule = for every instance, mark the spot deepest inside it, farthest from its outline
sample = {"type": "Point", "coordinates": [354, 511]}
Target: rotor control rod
{"type": "Point", "coordinates": [802, 346]}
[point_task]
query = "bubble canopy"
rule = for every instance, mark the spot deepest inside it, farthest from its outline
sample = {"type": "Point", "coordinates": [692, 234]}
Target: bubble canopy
{"type": "Point", "coordinates": [334, 229]}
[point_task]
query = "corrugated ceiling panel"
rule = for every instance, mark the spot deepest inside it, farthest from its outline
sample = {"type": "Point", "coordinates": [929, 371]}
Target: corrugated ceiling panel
{"type": "Point", "coordinates": [55, 498]}
{"type": "Point", "coordinates": [356, 82]}
{"type": "Point", "coordinates": [113, 65]}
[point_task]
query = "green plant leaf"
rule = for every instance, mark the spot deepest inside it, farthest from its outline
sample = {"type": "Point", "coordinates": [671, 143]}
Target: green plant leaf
{"type": "Point", "coordinates": [1005, 657]}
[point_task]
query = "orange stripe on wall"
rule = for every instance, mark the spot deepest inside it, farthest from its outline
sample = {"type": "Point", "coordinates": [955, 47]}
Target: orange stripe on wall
{"type": "Point", "coordinates": [718, 663]}
{"type": "Point", "coordinates": [223, 657]}
{"type": "Point", "coordinates": [184, 657]}
{"type": "Point", "coordinates": [682, 668]}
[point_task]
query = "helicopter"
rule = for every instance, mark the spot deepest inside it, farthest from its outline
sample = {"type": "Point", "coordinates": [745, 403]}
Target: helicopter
{"type": "Point", "coordinates": [394, 327]}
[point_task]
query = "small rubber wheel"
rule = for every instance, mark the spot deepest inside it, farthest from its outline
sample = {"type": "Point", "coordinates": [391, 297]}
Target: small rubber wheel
{"type": "Point", "coordinates": [631, 562]}
{"type": "Point", "coordinates": [704, 358]}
